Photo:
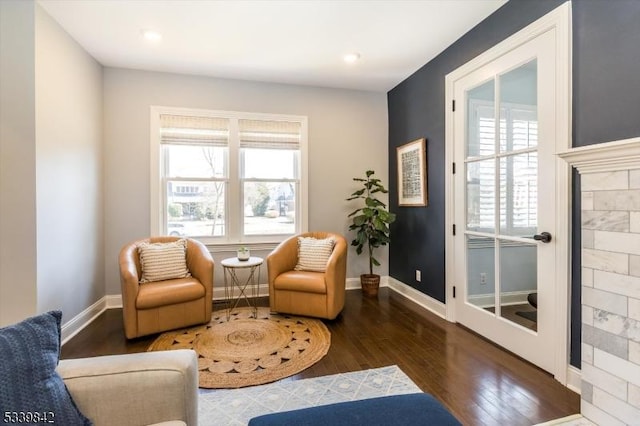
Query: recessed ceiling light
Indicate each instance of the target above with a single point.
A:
(351, 58)
(150, 35)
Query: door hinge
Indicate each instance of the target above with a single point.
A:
(454, 291)
(453, 105)
(453, 168)
(454, 229)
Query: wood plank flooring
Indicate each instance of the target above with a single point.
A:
(480, 383)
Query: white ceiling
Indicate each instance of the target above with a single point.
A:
(295, 42)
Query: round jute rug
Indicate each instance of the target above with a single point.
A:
(246, 351)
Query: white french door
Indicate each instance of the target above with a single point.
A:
(506, 249)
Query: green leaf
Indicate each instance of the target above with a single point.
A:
(359, 220)
(369, 172)
(372, 202)
(375, 261)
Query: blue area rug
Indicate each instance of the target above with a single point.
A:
(234, 407)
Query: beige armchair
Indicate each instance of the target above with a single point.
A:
(314, 294)
(135, 389)
(150, 308)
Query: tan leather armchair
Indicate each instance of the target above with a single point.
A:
(315, 294)
(150, 308)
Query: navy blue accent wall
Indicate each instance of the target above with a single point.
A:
(606, 104)
(606, 70)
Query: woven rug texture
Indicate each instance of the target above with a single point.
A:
(247, 351)
(235, 407)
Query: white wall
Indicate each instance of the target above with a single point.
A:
(70, 243)
(347, 135)
(17, 162)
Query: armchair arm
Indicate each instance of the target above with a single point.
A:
(336, 274)
(282, 259)
(129, 281)
(200, 264)
(135, 389)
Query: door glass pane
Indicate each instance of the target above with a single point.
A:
(519, 108)
(481, 195)
(481, 138)
(519, 194)
(519, 283)
(480, 277)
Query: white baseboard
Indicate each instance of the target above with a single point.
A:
(354, 283)
(84, 318)
(427, 302)
(574, 379)
(574, 419)
(114, 301)
(263, 291)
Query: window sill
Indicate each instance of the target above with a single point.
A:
(233, 247)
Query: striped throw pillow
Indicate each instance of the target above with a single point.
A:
(163, 261)
(313, 254)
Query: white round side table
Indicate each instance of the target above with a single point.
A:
(232, 282)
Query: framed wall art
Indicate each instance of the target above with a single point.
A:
(412, 173)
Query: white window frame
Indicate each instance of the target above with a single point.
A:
(233, 203)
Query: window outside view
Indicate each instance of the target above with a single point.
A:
(198, 185)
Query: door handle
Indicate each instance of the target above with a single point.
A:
(545, 237)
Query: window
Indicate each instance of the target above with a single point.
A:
(225, 177)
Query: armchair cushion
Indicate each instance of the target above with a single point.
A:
(313, 254)
(30, 387)
(308, 282)
(168, 292)
(163, 261)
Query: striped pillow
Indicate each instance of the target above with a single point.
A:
(163, 261)
(313, 254)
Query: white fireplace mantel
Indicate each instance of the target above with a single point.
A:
(605, 157)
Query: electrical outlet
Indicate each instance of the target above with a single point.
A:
(418, 275)
(483, 277)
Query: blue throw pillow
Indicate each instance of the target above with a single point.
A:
(31, 391)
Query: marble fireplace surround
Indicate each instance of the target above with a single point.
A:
(610, 198)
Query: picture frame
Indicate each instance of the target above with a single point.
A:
(412, 173)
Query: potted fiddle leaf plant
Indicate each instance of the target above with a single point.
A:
(371, 222)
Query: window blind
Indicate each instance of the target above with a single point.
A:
(269, 134)
(179, 129)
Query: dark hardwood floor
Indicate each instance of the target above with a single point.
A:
(480, 383)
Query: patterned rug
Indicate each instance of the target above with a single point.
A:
(235, 407)
(246, 351)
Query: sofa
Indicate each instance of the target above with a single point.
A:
(134, 389)
(150, 388)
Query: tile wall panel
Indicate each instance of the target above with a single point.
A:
(611, 297)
